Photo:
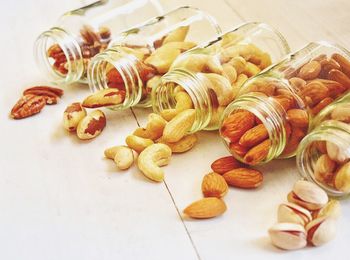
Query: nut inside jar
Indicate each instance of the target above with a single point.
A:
(285, 99)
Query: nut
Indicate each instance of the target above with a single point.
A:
(229, 72)
(343, 62)
(150, 160)
(340, 77)
(73, 114)
(236, 125)
(314, 92)
(221, 87)
(298, 117)
(321, 230)
(244, 178)
(111, 152)
(177, 35)
(183, 145)
(342, 178)
(288, 236)
(104, 98)
(254, 136)
(50, 94)
(236, 148)
(183, 101)
(138, 144)
(206, 208)
(324, 169)
(331, 210)
(27, 105)
(168, 114)
(91, 125)
(336, 153)
(258, 153)
(123, 157)
(341, 113)
(179, 126)
(250, 69)
(155, 126)
(214, 185)
(310, 70)
(308, 195)
(292, 213)
(225, 164)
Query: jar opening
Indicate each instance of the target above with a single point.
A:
(115, 69)
(58, 55)
(196, 86)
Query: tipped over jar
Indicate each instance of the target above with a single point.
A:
(323, 156)
(275, 109)
(134, 63)
(208, 78)
(64, 51)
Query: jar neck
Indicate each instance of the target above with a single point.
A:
(70, 54)
(271, 115)
(196, 86)
(331, 131)
(127, 67)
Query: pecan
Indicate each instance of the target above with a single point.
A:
(27, 105)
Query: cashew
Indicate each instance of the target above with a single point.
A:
(251, 69)
(110, 152)
(238, 63)
(179, 126)
(138, 144)
(168, 114)
(222, 88)
(178, 35)
(155, 126)
(183, 101)
(153, 83)
(183, 145)
(229, 72)
(152, 158)
(236, 87)
(124, 157)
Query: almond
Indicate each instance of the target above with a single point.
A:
(244, 178)
(286, 101)
(321, 105)
(225, 164)
(236, 148)
(206, 208)
(343, 62)
(254, 136)
(310, 70)
(314, 92)
(214, 185)
(298, 117)
(294, 140)
(258, 153)
(340, 77)
(237, 124)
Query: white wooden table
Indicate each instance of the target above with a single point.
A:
(59, 199)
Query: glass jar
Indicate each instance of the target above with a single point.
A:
(137, 60)
(64, 51)
(323, 156)
(213, 73)
(275, 108)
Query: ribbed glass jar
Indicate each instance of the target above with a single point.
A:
(213, 73)
(275, 108)
(64, 51)
(136, 61)
(323, 156)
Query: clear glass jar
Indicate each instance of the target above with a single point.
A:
(275, 108)
(323, 156)
(64, 51)
(213, 73)
(136, 61)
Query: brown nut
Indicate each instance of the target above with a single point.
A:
(91, 125)
(73, 114)
(214, 185)
(104, 98)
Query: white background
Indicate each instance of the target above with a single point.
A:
(60, 199)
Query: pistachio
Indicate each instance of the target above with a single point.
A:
(321, 231)
(341, 113)
(342, 178)
(324, 169)
(336, 153)
(332, 209)
(308, 195)
(292, 213)
(288, 236)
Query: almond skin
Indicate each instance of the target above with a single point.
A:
(244, 178)
(343, 62)
(297, 117)
(225, 164)
(214, 185)
(310, 70)
(237, 124)
(206, 208)
(254, 136)
(258, 153)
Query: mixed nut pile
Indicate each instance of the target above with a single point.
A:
(90, 42)
(315, 85)
(308, 217)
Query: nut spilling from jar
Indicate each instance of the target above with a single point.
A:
(310, 88)
(91, 42)
(147, 64)
(308, 218)
(221, 69)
